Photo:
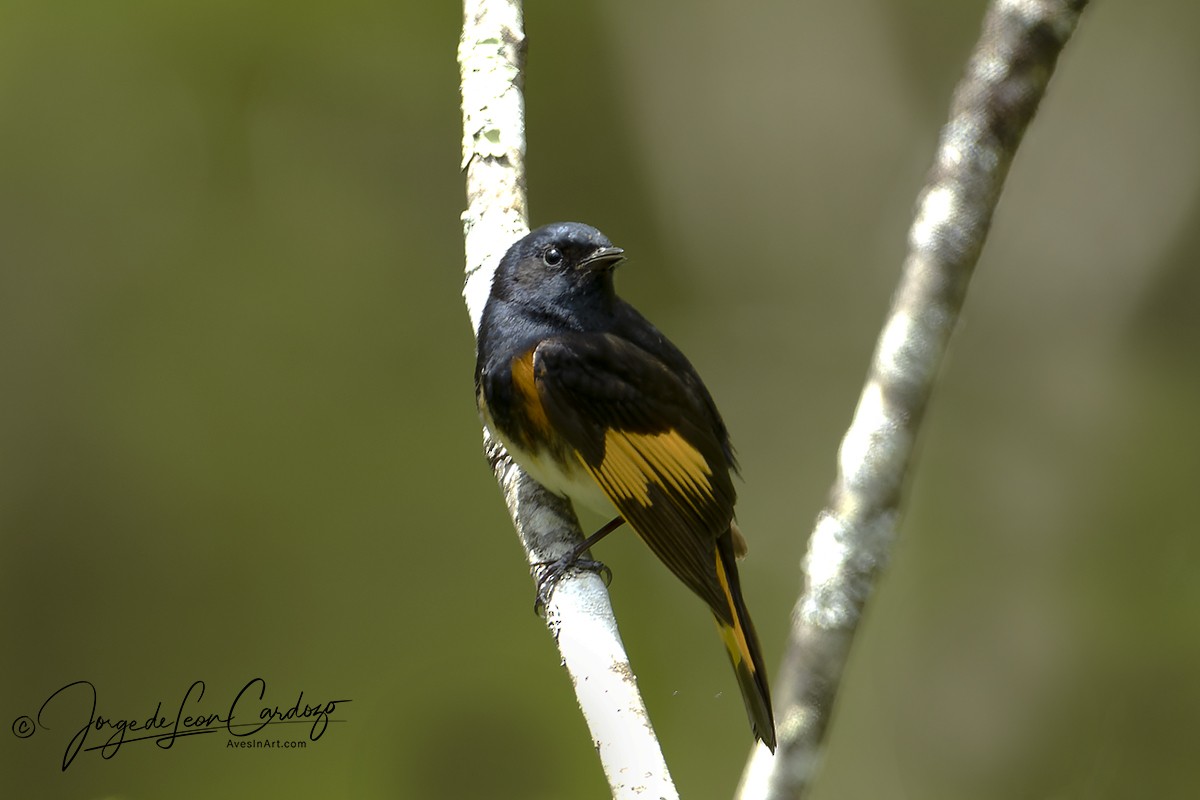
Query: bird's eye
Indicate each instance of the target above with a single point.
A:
(552, 257)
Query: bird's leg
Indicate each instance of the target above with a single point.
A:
(553, 571)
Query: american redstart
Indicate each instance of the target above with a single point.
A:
(597, 405)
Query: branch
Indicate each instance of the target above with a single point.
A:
(491, 55)
(851, 542)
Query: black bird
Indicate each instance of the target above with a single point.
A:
(598, 406)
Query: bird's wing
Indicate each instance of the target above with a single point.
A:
(648, 442)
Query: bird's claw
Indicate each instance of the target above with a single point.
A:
(551, 572)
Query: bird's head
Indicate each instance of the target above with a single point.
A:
(561, 262)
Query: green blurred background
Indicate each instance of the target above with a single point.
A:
(238, 437)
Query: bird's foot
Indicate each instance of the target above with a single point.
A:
(549, 573)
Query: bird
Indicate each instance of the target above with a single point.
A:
(598, 406)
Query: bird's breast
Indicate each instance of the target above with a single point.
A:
(557, 469)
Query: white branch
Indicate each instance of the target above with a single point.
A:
(851, 542)
(579, 614)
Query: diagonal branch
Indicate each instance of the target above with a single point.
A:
(851, 542)
(491, 55)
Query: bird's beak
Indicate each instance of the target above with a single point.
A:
(604, 258)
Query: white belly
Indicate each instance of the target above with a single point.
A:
(573, 483)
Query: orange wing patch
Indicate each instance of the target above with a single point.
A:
(634, 461)
(526, 386)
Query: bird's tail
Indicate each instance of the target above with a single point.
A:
(737, 632)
